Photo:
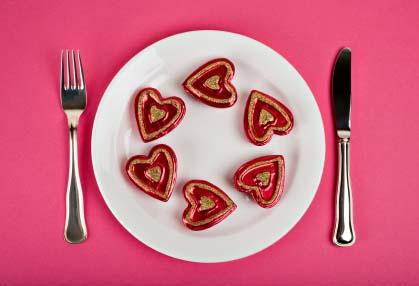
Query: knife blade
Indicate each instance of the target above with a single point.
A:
(344, 234)
(341, 88)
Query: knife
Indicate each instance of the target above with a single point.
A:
(344, 234)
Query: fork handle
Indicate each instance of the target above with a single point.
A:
(344, 234)
(75, 225)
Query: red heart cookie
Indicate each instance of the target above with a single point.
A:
(155, 115)
(207, 205)
(154, 174)
(263, 177)
(211, 83)
(264, 116)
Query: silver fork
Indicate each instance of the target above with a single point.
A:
(73, 100)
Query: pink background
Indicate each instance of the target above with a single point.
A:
(384, 38)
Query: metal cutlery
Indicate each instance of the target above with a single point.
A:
(73, 100)
(344, 234)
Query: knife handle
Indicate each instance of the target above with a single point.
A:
(344, 234)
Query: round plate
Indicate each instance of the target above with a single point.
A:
(210, 144)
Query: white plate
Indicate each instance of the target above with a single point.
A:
(210, 144)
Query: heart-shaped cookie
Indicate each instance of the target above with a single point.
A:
(207, 205)
(264, 116)
(154, 174)
(156, 116)
(211, 83)
(263, 177)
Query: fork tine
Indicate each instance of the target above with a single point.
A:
(81, 74)
(62, 76)
(74, 71)
(68, 83)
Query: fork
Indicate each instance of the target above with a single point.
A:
(73, 100)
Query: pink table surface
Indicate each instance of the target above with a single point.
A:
(384, 39)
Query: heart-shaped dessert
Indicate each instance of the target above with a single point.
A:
(264, 116)
(207, 205)
(211, 83)
(154, 174)
(155, 115)
(263, 177)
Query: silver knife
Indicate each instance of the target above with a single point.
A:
(344, 234)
